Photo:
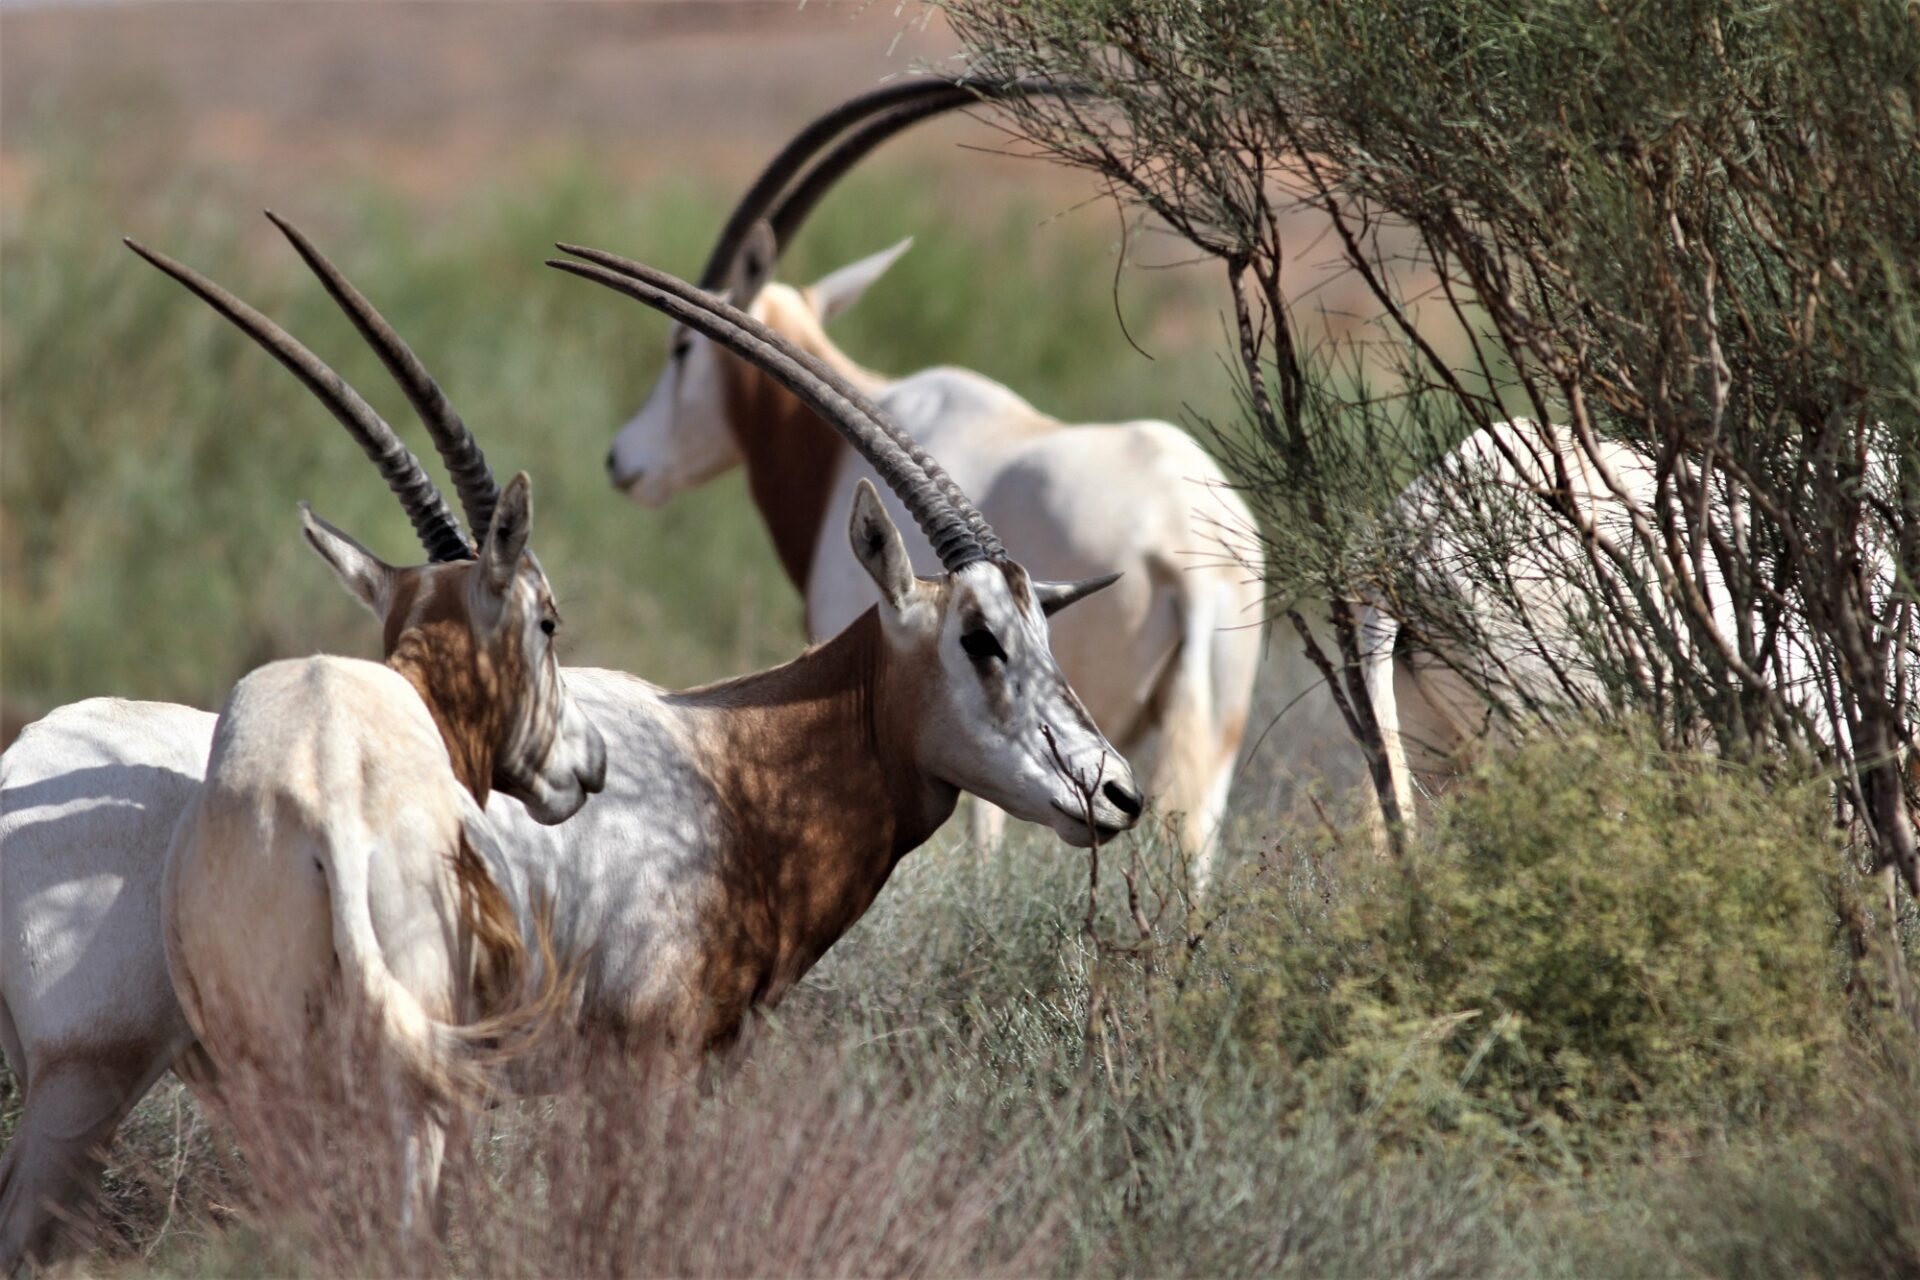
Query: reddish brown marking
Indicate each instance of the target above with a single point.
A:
(1016, 583)
(816, 760)
(1231, 732)
(496, 953)
(791, 455)
(468, 689)
(429, 641)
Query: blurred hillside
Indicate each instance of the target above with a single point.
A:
(150, 458)
(279, 100)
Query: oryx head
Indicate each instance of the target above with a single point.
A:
(477, 637)
(473, 629)
(967, 653)
(990, 711)
(683, 434)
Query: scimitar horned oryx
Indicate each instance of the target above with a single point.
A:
(331, 860)
(1165, 661)
(743, 828)
(1532, 647)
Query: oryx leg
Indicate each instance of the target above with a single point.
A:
(1203, 701)
(1378, 635)
(75, 1099)
(422, 1155)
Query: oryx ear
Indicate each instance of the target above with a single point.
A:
(833, 293)
(366, 575)
(878, 547)
(507, 536)
(753, 265)
(1055, 596)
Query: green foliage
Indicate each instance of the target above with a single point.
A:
(1840, 1198)
(1603, 963)
(1599, 942)
(1683, 228)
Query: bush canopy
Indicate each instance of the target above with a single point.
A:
(1678, 239)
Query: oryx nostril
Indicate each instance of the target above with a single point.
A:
(610, 462)
(1127, 802)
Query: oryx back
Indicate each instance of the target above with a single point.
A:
(325, 821)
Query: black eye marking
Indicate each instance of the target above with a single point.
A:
(681, 346)
(981, 645)
(549, 625)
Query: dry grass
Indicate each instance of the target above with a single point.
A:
(935, 1099)
(927, 1105)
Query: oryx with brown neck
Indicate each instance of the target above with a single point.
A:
(743, 827)
(800, 788)
(331, 863)
(1165, 661)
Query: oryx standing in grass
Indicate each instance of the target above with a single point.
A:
(1511, 538)
(1165, 660)
(330, 863)
(743, 827)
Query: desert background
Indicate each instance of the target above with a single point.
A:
(151, 458)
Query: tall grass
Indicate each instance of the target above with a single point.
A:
(924, 1106)
(985, 1077)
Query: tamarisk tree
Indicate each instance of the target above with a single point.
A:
(1680, 239)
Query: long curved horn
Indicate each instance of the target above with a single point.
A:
(790, 214)
(439, 532)
(466, 464)
(901, 104)
(959, 535)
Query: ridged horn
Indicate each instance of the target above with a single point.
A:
(459, 451)
(882, 113)
(957, 532)
(438, 531)
(790, 214)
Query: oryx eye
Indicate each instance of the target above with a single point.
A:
(981, 645)
(549, 625)
(682, 345)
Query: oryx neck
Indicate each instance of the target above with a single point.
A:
(791, 456)
(430, 644)
(815, 762)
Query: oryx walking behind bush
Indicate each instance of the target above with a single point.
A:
(337, 852)
(1498, 553)
(744, 826)
(1165, 660)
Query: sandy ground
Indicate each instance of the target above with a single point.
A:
(276, 97)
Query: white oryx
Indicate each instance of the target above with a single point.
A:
(1427, 702)
(743, 828)
(1165, 661)
(330, 862)
(1426, 711)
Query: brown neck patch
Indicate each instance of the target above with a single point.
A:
(791, 455)
(429, 641)
(817, 763)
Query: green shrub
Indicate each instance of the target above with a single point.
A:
(1596, 942)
